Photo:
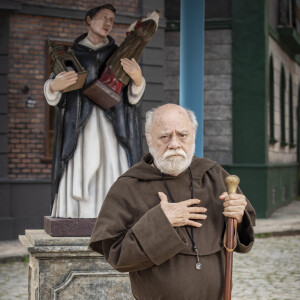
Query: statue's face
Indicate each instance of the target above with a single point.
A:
(102, 22)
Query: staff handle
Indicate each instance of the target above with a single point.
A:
(231, 182)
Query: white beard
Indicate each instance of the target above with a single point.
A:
(172, 165)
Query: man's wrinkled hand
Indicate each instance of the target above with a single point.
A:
(132, 68)
(182, 213)
(234, 205)
(63, 80)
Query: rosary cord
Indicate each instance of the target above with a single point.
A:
(192, 197)
(191, 235)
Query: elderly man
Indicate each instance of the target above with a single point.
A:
(163, 221)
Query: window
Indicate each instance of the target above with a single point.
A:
(272, 139)
(288, 15)
(291, 113)
(282, 107)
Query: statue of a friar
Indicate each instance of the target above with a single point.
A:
(93, 146)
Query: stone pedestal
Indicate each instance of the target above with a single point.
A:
(63, 268)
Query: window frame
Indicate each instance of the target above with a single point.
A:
(283, 142)
(272, 139)
(291, 114)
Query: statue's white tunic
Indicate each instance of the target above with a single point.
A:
(97, 162)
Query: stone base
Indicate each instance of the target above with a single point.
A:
(65, 269)
(68, 227)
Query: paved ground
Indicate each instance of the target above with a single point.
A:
(283, 221)
(270, 271)
(13, 281)
(12, 250)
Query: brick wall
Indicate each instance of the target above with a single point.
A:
(27, 67)
(25, 187)
(132, 6)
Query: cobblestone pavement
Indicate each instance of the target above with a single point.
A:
(13, 281)
(270, 271)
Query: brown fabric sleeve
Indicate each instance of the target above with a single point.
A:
(152, 240)
(245, 234)
(158, 238)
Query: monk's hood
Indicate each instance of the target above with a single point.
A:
(143, 170)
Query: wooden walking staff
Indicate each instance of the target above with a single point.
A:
(231, 182)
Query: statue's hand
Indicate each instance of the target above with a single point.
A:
(132, 68)
(63, 80)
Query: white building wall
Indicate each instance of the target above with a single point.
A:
(277, 153)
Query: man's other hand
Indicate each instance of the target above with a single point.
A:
(63, 80)
(132, 68)
(182, 213)
(234, 205)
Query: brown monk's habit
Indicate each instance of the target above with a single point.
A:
(135, 236)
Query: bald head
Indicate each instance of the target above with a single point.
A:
(170, 109)
(170, 132)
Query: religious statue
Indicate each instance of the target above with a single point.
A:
(92, 146)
